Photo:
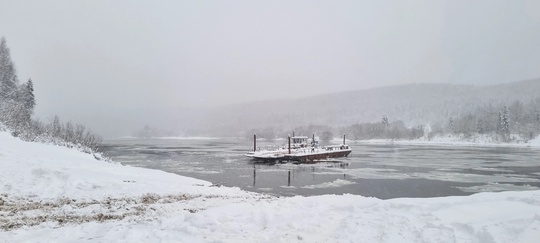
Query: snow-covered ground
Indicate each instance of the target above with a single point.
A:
(55, 194)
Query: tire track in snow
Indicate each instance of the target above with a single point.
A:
(19, 213)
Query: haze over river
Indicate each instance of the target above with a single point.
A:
(382, 171)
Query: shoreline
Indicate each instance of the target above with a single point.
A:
(450, 141)
(436, 141)
(443, 143)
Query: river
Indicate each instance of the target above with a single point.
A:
(381, 171)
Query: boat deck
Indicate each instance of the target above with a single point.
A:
(302, 155)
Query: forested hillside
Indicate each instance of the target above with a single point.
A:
(436, 107)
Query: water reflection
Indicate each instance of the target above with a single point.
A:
(254, 175)
(289, 179)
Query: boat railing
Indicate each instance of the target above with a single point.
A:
(270, 148)
(336, 147)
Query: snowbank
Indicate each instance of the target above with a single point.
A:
(54, 194)
(35, 170)
(535, 142)
(454, 140)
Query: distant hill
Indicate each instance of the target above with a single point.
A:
(412, 103)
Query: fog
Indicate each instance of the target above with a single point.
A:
(118, 65)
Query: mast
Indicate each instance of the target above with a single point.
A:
(289, 144)
(254, 142)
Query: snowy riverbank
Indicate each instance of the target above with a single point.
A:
(452, 140)
(55, 194)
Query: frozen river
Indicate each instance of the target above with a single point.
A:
(382, 171)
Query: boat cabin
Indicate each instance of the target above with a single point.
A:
(299, 140)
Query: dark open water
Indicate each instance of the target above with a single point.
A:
(382, 171)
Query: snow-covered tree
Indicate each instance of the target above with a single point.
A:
(451, 125)
(26, 103)
(16, 102)
(8, 76)
(79, 133)
(385, 121)
(55, 127)
(504, 123)
(28, 96)
(480, 126)
(69, 132)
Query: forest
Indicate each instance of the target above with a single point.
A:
(499, 113)
(17, 102)
(517, 122)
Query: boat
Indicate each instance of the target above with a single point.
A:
(299, 150)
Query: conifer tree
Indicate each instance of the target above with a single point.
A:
(27, 99)
(480, 126)
(451, 125)
(10, 107)
(8, 76)
(504, 123)
(385, 121)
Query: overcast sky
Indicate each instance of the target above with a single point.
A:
(133, 54)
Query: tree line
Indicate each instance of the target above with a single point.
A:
(517, 122)
(383, 130)
(17, 104)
